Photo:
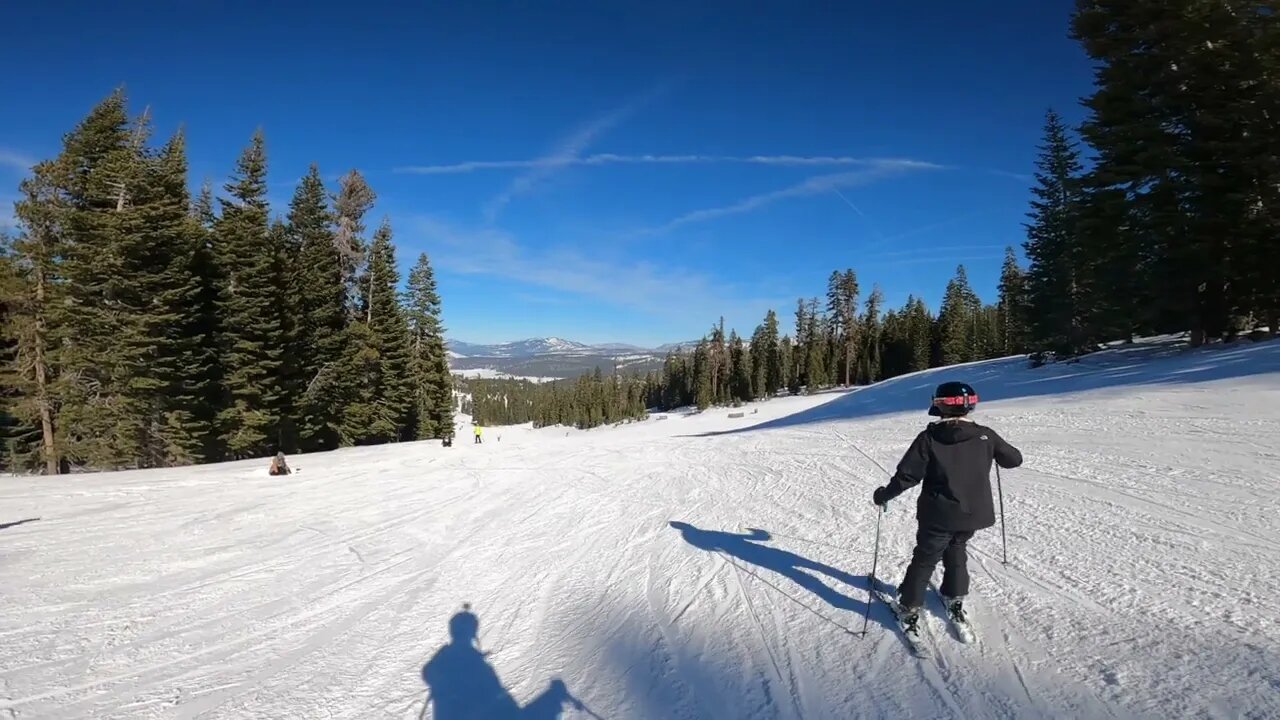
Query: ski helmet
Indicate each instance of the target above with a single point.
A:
(953, 399)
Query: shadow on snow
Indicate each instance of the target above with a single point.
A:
(462, 685)
(744, 552)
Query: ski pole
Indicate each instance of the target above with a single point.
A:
(1003, 540)
(871, 579)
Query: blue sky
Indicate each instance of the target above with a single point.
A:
(596, 170)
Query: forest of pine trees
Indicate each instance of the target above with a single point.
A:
(849, 342)
(1164, 215)
(147, 327)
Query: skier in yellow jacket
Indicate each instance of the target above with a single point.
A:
(478, 432)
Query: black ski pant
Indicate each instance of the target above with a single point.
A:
(933, 545)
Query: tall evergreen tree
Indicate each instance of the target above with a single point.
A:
(321, 299)
(920, 332)
(101, 179)
(800, 352)
(740, 370)
(32, 293)
(1057, 279)
(350, 205)
(1012, 323)
(872, 341)
(252, 333)
(957, 320)
(775, 373)
(434, 388)
(842, 312)
(168, 267)
(815, 354)
(384, 406)
(1176, 116)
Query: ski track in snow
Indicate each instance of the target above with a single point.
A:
(1144, 542)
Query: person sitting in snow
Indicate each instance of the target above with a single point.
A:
(952, 457)
(278, 465)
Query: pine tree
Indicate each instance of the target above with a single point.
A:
(251, 325)
(1012, 323)
(1180, 89)
(101, 174)
(32, 292)
(740, 370)
(871, 331)
(800, 352)
(207, 328)
(956, 320)
(758, 353)
(321, 298)
(383, 408)
(815, 355)
(434, 383)
(1057, 278)
(787, 364)
(350, 205)
(703, 390)
(920, 327)
(842, 309)
(168, 266)
(774, 373)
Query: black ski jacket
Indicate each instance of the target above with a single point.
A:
(953, 460)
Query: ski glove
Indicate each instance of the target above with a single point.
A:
(880, 496)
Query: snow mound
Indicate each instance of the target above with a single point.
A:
(693, 565)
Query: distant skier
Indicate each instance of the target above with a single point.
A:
(279, 466)
(952, 457)
(478, 432)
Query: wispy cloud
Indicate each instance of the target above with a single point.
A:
(15, 160)
(664, 291)
(567, 153)
(877, 170)
(929, 258)
(560, 161)
(1023, 177)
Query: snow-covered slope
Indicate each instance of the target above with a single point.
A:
(1144, 542)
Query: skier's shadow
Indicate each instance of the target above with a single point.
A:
(462, 685)
(745, 547)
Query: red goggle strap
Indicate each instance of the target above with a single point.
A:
(957, 400)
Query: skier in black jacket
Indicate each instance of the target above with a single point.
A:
(952, 458)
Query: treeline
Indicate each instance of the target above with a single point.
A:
(843, 342)
(1172, 221)
(592, 400)
(148, 327)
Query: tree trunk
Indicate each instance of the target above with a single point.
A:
(51, 465)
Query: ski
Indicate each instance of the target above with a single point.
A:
(959, 621)
(915, 642)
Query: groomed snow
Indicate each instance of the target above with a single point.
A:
(1144, 542)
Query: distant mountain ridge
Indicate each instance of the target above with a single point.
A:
(554, 357)
(532, 347)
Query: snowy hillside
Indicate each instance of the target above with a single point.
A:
(1144, 541)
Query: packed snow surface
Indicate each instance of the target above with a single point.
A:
(1143, 576)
